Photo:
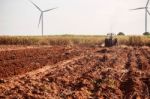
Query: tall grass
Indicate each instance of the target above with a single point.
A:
(71, 40)
(51, 40)
(17, 40)
(134, 40)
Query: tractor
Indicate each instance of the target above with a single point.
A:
(110, 40)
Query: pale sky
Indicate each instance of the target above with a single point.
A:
(79, 17)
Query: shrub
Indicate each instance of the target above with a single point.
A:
(146, 33)
(121, 33)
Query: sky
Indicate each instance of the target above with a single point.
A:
(78, 17)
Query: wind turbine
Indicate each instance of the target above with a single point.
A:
(146, 12)
(41, 19)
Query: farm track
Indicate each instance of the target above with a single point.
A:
(88, 73)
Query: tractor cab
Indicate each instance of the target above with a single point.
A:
(110, 40)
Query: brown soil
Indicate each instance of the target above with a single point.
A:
(75, 73)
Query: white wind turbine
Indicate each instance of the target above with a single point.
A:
(41, 19)
(146, 12)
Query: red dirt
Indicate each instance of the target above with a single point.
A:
(76, 73)
(22, 60)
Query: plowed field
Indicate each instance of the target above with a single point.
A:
(75, 73)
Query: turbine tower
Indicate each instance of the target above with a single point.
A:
(41, 19)
(146, 13)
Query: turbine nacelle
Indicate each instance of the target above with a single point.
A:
(141, 8)
(146, 12)
(42, 12)
(41, 15)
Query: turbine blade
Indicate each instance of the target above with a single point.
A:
(50, 9)
(138, 8)
(148, 12)
(147, 3)
(35, 5)
(40, 19)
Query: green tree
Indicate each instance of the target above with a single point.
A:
(121, 33)
(146, 33)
